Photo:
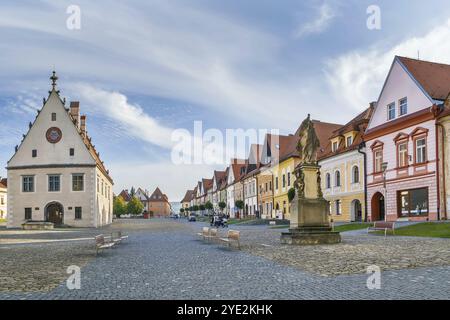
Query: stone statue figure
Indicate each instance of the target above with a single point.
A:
(308, 143)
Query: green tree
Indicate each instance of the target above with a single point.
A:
(182, 210)
(202, 207)
(195, 208)
(222, 205)
(209, 206)
(135, 206)
(291, 194)
(239, 204)
(119, 206)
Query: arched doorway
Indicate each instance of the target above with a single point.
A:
(356, 210)
(378, 207)
(54, 212)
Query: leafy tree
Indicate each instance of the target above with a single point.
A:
(291, 194)
(195, 208)
(222, 205)
(239, 204)
(119, 206)
(132, 192)
(209, 205)
(202, 207)
(135, 206)
(182, 210)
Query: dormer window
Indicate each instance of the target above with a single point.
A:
(403, 106)
(391, 111)
(349, 141)
(335, 146)
(34, 153)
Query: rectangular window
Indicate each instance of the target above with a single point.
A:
(270, 185)
(98, 184)
(349, 141)
(378, 159)
(403, 106)
(103, 186)
(276, 183)
(413, 202)
(78, 213)
(34, 153)
(78, 182)
(391, 111)
(335, 146)
(265, 189)
(421, 150)
(28, 184)
(338, 207)
(403, 154)
(284, 181)
(54, 183)
(53, 116)
(28, 214)
(72, 152)
(289, 179)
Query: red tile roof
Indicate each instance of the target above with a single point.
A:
(158, 196)
(188, 196)
(358, 124)
(433, 77)
(125, 195)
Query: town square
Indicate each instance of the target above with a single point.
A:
(191, 152)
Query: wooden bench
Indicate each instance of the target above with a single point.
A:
(212, 234)
(205, 233)
(101, 244)
(117, 237)
(382, 226)
(232, 236)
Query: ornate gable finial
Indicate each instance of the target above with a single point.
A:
(54, 78)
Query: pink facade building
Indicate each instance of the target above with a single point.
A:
(404, 139)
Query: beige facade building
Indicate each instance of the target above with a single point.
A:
(56, 174)
(343, 168)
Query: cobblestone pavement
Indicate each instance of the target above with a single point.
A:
(163, 259)
(357, 251)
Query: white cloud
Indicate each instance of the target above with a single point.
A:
(132, 118)
(356, 78)
(324, 18)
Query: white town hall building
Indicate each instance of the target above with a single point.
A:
(56, 174)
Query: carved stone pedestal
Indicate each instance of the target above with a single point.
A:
(309, 211)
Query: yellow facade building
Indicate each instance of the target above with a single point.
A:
(343, 168)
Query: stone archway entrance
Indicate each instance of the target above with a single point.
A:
(356, 211)
(54, 212)
(378, 208)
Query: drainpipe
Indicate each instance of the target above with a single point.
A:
(360, 147)
(438, 162)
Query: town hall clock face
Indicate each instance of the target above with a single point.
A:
(54, 135)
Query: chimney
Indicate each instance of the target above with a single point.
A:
(75, 112)
(83, 124)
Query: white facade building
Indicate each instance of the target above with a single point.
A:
(3, 198)
(56, 174)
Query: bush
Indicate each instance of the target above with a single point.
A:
(291, 194)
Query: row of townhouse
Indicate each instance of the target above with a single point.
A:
(388, 163)
(260, 182)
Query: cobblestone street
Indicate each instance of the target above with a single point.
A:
(163, 259)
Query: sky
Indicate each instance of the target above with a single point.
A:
(143, 70)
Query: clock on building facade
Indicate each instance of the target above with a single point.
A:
(53, 135)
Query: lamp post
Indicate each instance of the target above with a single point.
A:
(384, 166)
